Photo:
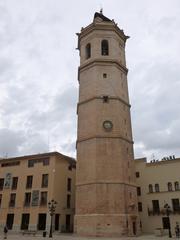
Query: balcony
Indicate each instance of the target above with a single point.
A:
(27, 204)
(157, 212)
(154, 212)
(43, 203)
(12, 204)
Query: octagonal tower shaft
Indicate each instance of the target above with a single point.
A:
(106, 201)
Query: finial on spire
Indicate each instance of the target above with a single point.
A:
(101, 11)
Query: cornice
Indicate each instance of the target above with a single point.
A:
(97, 136)
(102, 62)
(101, 98)
(102, 26)
(106, 182)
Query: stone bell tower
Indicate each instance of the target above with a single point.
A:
(106, 202)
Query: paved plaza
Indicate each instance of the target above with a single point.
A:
(74, 237)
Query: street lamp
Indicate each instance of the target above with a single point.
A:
(52, 208)
(167, 209)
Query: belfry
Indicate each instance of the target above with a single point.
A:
(106, 198)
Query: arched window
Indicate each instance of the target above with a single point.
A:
(176, 186)
(156, 187)
(104, 48)
(88, 51)
(150, 188)
(169, 186)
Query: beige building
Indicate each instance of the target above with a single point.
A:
(28, 183)
(158, 184)
(106, 200)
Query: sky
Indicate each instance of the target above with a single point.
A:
(38, 73)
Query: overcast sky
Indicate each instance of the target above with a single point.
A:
(38, 73)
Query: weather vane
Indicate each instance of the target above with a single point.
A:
(101, 9)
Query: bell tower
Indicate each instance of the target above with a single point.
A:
(106, 201)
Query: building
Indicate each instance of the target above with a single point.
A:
(28, 183)
(106, 199)
(158, 184)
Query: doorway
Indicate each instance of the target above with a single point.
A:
(42, 221)
(10, 220)
(57, 222)
(134, 228)
(68, 223)
(25, 221)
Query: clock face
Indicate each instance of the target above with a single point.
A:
(107, 125)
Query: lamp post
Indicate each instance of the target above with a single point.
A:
(52, 208)
(167, 209)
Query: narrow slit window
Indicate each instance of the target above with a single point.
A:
(104, 48)
(88, 50)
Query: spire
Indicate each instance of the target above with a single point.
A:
(100, 15)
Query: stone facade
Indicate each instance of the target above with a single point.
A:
(159, 184)
(24, 201)
(106, 200)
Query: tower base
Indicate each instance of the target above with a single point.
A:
(106, 225)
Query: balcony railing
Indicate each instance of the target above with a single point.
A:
(157, 212)
(27, 204)
(43, 203)
(153, 212)
(12, 204)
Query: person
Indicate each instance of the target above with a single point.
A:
(177, 230)
(5, 231)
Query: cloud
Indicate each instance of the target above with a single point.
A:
(10, 142)
(155, 114)
(38, 72)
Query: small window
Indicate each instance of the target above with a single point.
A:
(12, 200)
(104, 48)
(169, 185)
(14, 183)
(46, 161)
(105, 99)
(69, 184)
(29, 181)
(138, 191)
(175, 204)
(150, 188)
(140, 206)
(68, 201)
(43, 200)
(44, 180)
(155, 205)
(88, 50)
(156, 187)
(30, 163)
(137, 174)
(176, 186)
(104, 75)
(27, 199)
(1, 183)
